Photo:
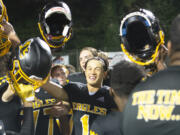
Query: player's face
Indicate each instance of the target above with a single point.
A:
(94, 73)
(84, 56)
(60, 76)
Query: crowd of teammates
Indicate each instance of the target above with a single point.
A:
(138, 95)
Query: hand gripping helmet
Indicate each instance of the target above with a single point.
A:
(141, 37)
(33, 59)
(5, 43)
(55, 23)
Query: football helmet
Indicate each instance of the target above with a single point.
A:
(32, 60)
(141, 36)
(55, 23)
(5, 43)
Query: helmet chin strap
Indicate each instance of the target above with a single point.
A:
(161, 35)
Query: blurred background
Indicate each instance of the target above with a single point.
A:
(95, 22)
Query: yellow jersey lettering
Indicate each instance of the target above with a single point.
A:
(175, 97)
(165, 112)
(87, 108)
(103, 111)
(143, 97)
(162, 109)
(142, 113)
(84, 107)
(154, 112)
(168, 97)
(37, 104)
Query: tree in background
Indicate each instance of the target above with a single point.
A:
(95, 22)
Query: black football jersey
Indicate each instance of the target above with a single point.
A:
(10, 111)
(87, 107)
(77, 77)
(110, 124)
(44, 123)
(153, 108)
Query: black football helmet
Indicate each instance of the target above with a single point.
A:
(5, 43)
(141, 36)
(55, 23)
(33, 59)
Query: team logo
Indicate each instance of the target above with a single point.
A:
(24, 49)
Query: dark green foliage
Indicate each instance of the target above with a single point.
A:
(95, 22)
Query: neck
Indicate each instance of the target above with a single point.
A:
(93, 88)
(175, 59)
(120, 102)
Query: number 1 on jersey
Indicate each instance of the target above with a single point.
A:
(85, 124)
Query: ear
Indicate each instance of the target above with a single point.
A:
(169, 47)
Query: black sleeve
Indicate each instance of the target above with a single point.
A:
(28, 122)
(72, 88)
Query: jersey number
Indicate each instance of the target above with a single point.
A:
(85, 124)
(51, 120)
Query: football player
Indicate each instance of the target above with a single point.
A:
(33, 58)
(143, 40)
(89, 100)
(55, 26)
(153, 106)
(8, 39)
(125, 76)
(59, 75)
(85, 54)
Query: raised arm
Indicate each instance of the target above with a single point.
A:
(55, 90)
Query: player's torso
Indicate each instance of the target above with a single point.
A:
(44, 123)
(86, 108)
(154, 104)
(111, 124)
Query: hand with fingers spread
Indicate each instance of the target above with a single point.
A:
(60, 108)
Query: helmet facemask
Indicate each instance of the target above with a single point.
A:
(21, 82)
